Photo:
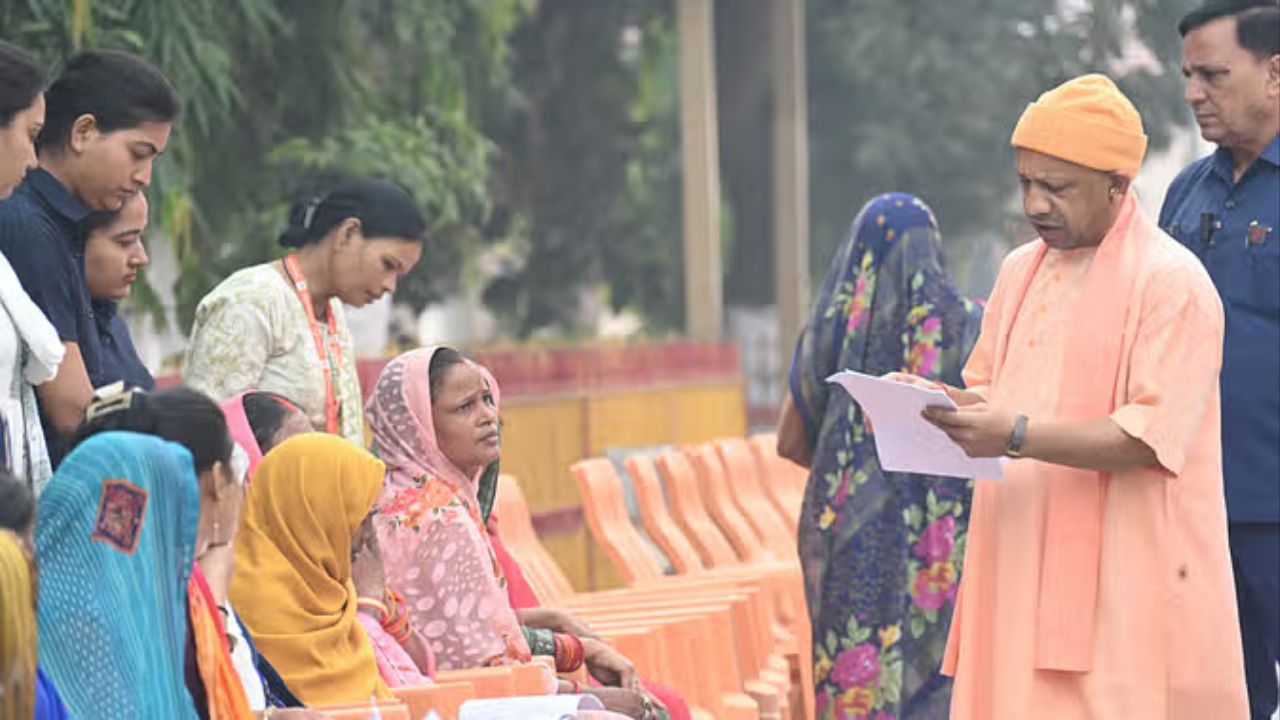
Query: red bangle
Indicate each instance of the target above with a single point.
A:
(394, 623)
(569, 653)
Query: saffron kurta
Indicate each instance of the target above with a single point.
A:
(1164, 643)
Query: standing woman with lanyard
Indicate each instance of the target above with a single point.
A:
(280, 327)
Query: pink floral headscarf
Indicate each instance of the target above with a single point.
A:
(434, 544)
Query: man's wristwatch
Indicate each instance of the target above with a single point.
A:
(1018, 437)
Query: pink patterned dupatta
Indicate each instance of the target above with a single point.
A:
(434, 543)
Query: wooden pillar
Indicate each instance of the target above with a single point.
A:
(790, 173)
(700, 163)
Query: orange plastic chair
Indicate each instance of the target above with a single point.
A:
(746, 489)
(444, 699)
(516, 531)
(718, 498)
(383, 709)
(488, 682)
(783, 481)
(781, 577)
(791, 657)
(691, 514)
(741, 647)
(708, 681)
(515, 527)
(642, 648)
(664, 593)
(529, 679)
(657, 520)
(604, 490)
(607, 518)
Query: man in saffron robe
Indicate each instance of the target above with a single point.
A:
(1097, 581)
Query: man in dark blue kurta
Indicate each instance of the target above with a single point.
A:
(1226, 208)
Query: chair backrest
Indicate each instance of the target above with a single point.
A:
(515, 527)
(745, 487)
(691, 514)
(657, 519)
(610, 525)
(783, 481)
(717, 496)
(385, 709)
(445, 699)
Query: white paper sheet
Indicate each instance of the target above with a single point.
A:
(905, 441)
(541, 707)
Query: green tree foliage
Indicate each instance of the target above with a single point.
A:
(282, 96)
(587, 151)
(550, 129)
(192, 41)
(904, 94)
(922, 96)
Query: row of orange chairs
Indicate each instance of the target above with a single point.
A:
(729, 630)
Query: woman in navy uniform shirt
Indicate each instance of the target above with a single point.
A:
(107, 117)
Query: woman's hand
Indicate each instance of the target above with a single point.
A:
(636, 704)
(366, 564)
(608, 665)
(557, 620)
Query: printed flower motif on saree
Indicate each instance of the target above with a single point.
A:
(427, 499)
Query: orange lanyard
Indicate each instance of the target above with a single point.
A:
(294, 271)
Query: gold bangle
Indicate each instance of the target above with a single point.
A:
(371, 604)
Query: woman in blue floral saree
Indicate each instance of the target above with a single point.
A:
(881, 551)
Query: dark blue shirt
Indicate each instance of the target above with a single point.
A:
(1234, 227)
(41, 235)
(49, 704)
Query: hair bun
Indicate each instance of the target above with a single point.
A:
(293, 237)
(301, 221)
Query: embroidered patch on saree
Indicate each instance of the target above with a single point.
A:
(120, 512)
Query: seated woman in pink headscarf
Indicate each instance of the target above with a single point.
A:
(259, 421)
(434, 417)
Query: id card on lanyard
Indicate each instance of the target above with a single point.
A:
(294, 271)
